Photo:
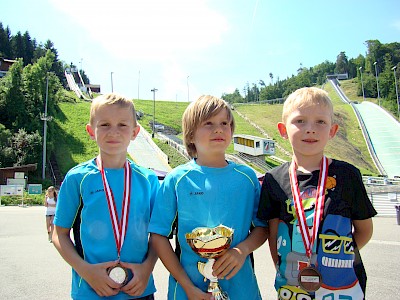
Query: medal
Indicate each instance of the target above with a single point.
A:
(118, 273)
(309, 277)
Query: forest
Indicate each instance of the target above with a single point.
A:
(36, 82)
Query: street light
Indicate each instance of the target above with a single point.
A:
(154, 90)
(45, 118)
(377, 84)
(362, 84)
(112, 85)
(397, 92)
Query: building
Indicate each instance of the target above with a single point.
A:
(5, 65)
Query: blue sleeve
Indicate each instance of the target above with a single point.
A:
(257, 190)
(155, 186)
(165, 208)
(68, 202)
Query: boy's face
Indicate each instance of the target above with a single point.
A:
(213, 136)
(113, 128)
(309, 129)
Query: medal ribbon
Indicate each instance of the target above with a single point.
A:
(309, 238)
(119, 226)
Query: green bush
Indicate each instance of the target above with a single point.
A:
(27, 199)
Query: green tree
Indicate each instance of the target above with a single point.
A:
(5, 44)
(12, 106)
(342, 62)
(26, 147)
(320, 71)
(18, 46)
(6, 158)
(234, 97)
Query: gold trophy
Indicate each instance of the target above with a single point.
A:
(210, 243)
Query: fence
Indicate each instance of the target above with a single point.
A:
(384, 203)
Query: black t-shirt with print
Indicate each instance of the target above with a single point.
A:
(337, 255)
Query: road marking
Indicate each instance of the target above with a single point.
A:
(380, 242)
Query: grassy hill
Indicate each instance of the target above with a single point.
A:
(349, 143)
(74, 145)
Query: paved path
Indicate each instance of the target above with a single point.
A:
(31, 267)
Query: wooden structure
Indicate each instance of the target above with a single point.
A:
(9, 172)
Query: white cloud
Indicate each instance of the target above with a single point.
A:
(148, 29)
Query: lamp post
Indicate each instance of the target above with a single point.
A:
(112, 85)
(154, 90)
(377, 84)
(45, 118)
(362, 83)
(187, 83)
(397, 92)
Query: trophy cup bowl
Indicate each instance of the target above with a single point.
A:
(210, 243)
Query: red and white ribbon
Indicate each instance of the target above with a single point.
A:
(119, 225)
(309, 238)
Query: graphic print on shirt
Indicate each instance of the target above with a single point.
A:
(336, 259)
(291, 251)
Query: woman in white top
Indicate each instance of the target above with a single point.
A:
(50, 202)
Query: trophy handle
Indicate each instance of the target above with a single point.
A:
(206, 269)
(213, 288)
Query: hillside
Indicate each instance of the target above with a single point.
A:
(348, 144)
(75, 146)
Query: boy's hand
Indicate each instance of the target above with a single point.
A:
(194, 293)
(97, 277)
(229, 263)
(137, 285)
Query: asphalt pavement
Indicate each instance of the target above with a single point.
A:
(31, 267)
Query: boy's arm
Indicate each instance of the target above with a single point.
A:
(141, 272)
(171, 262)
(272, 239)
(95, 274)
(362, 232)
(232, 261)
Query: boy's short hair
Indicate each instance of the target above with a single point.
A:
(305, 97)
(111, 99)
(202, 109)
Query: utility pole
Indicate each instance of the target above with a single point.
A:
(154, 90)
(45, 118)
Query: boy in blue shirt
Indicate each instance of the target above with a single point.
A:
(107, 202)
(318, 210)
(208, 191)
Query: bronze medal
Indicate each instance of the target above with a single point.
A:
(310, 279)
(118, 274)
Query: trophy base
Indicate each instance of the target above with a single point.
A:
(215, 290)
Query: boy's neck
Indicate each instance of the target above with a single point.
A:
(112, 161)
(308, 164)
(212, 162)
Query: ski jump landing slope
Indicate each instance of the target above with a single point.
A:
(145, 153)
(381, 131)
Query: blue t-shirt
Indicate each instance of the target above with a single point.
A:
(201, 196)
(82, 205)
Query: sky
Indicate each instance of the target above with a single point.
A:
(187, 48)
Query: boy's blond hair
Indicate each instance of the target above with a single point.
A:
(111, 99)
(305, 97)
(202, 109)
